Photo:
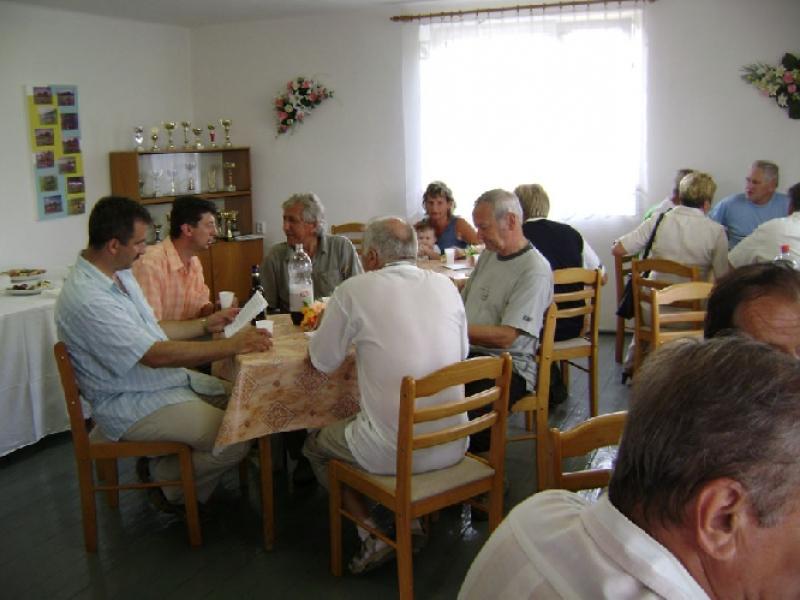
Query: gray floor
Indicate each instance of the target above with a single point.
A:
(145, 554)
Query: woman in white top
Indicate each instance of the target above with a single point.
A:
(685, 235)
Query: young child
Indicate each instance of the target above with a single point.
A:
(426, 241)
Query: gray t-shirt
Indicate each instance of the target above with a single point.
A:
(514, 291)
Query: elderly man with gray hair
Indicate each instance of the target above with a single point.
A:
(333, 257)
(402, 320)
(740, 214)
(704, 501)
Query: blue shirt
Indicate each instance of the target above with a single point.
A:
(449, 239)
(107, 332)
(741, 217)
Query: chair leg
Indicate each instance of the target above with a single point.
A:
(88, 506)
(335, 505)
(405, 565)
(111, 476)
(529, 422)
(542, 446)
(190, 498)
(496, 503)
(564, 364)
(244, 481)
(593, 399)
(619, 342)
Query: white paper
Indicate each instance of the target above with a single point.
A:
(457, 266)
(250, 311)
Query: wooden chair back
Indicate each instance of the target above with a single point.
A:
(686, 322)
(594, 433)
(353, 231)
(107, 452)
(622, 269)
(587, 305)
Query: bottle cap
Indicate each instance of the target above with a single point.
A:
(784, 249)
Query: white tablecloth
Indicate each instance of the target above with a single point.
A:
(31, 399)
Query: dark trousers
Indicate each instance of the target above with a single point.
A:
(480, 442)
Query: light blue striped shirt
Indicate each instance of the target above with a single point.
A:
(107, 332)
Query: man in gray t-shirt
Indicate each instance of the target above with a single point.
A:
(507, 294)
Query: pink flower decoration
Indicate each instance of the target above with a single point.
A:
(282, 115)
(792, 88)
(788, 77)
(312, 96)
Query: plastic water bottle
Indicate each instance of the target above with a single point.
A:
(301, 287)
(786, 257)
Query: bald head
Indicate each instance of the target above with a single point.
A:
(391, 238)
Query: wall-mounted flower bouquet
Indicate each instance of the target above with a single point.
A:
(781, 82)
(302, 95)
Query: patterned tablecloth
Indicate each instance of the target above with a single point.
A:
(280, 390)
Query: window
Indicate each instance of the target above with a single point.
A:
(552, 99)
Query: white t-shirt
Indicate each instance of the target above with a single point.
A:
(556, 544)
(403, 321)
(764, 244)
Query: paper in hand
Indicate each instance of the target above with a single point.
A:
(250, 311)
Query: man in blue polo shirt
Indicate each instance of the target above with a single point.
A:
(740, 214)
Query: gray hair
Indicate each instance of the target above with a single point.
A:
(771, 172)
(391, 238)
(502, 203)
(704, 410)
(312, 209)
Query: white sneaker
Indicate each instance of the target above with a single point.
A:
(373, 553)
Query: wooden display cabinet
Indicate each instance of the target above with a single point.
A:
(161, 176)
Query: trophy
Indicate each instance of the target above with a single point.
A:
(211, 179)
(138, 137)
(190, 167)
(198, 143)
(212, 133)
(154, 136)
(226, 123)
(170, 127)
(156, 175)
(157, 230)
(230, 166)
(173, 173)
(186, 125)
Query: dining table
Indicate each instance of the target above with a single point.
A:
(32, 402)
(280, 390)
(458, 272)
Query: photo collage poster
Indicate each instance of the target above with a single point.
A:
(56, 141)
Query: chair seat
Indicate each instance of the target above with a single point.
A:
(433, 483)
(578, 343)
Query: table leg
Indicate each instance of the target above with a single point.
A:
(267, 502)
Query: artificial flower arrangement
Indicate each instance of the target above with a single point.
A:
(302, 95)
(311, 314)
(473, 252)
(781, 82)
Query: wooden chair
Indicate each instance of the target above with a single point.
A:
(688, 322)
(566, 351)
(594, 433)
(412, 496)
(353, 231)
(536, 405)
(622, 269)
(642, 290)
(106, 453)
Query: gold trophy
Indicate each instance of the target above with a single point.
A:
(138, 137)
(170, 127)
(226, 123)
(211, 179)
(154, 136)
(186, 125)
(198, 143)
(190, 167)
(230, 166)
(212, 134)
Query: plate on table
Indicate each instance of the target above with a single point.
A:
(33, 292)
(18, 275)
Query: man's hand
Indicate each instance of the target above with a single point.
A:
(216, 323)
(251, 339)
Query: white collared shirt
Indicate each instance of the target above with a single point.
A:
(764, 244)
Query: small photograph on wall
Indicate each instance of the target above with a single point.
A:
(55, 138)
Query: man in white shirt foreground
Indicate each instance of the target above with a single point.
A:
(402, 320)
(764, 244)
(704, 501)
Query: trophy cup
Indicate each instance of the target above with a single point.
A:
(230, 166)
(156, 175)
(212, 134)
(170, 127)
(154, 136)
(198, 143)
(157, 230)
(226, 123)
(190, 167)
(186, 125)
(138, 137)
(173, 173)
(211, 179)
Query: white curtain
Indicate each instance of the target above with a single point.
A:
(554, 96)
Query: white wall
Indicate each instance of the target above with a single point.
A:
(350, 150)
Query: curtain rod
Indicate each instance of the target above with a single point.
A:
(502, 9)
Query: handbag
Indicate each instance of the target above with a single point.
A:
(626, 307)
